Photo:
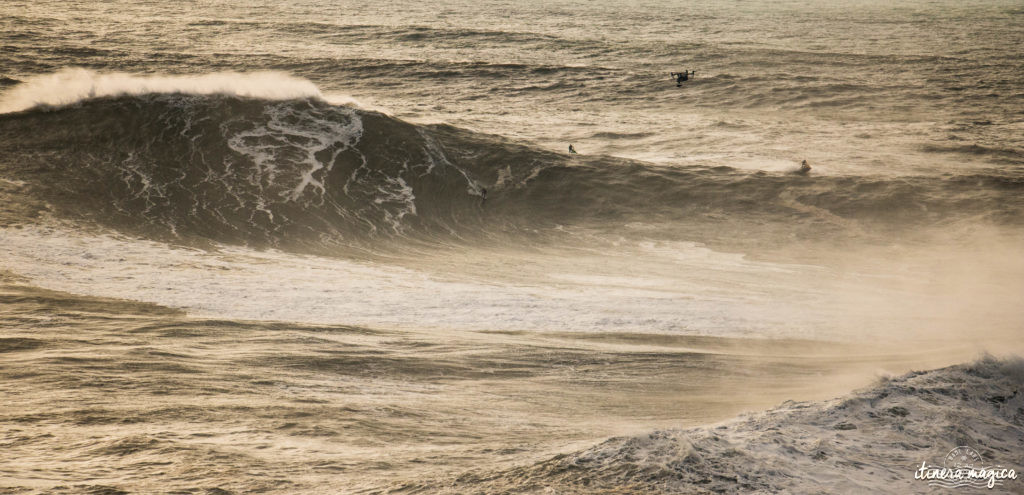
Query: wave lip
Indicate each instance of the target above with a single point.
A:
(71, 86)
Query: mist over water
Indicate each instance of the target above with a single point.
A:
(343, 247)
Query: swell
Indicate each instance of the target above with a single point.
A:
(302, 173)
(364, 32)
(1002, 154)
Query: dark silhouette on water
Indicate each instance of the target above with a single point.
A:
(804, 168)
(682, 76)
(572, 150)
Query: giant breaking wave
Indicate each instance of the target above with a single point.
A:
(198, 166)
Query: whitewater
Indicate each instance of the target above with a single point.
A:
(306, 248)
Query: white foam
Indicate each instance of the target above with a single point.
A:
(295, 133)
(672, 288)
(238, 283)
(72, 85)
(395, 190)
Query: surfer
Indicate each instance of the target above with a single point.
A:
(682, 76)
(483, 195)
(572, 150)
(804, 167)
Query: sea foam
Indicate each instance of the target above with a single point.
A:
(72, 85)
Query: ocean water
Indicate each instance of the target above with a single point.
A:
(339, 247)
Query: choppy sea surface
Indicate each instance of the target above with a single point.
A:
(305, 247)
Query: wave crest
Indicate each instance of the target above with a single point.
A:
(71, 86)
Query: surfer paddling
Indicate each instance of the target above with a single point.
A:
(804, 168)
(683, 76)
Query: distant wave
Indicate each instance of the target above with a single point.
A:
(1003, 154)
(441, 70)
(621, 135)
(419, 33)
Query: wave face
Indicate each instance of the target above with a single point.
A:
(303, 172)
(238, 170)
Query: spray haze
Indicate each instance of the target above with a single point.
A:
(307, 247)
